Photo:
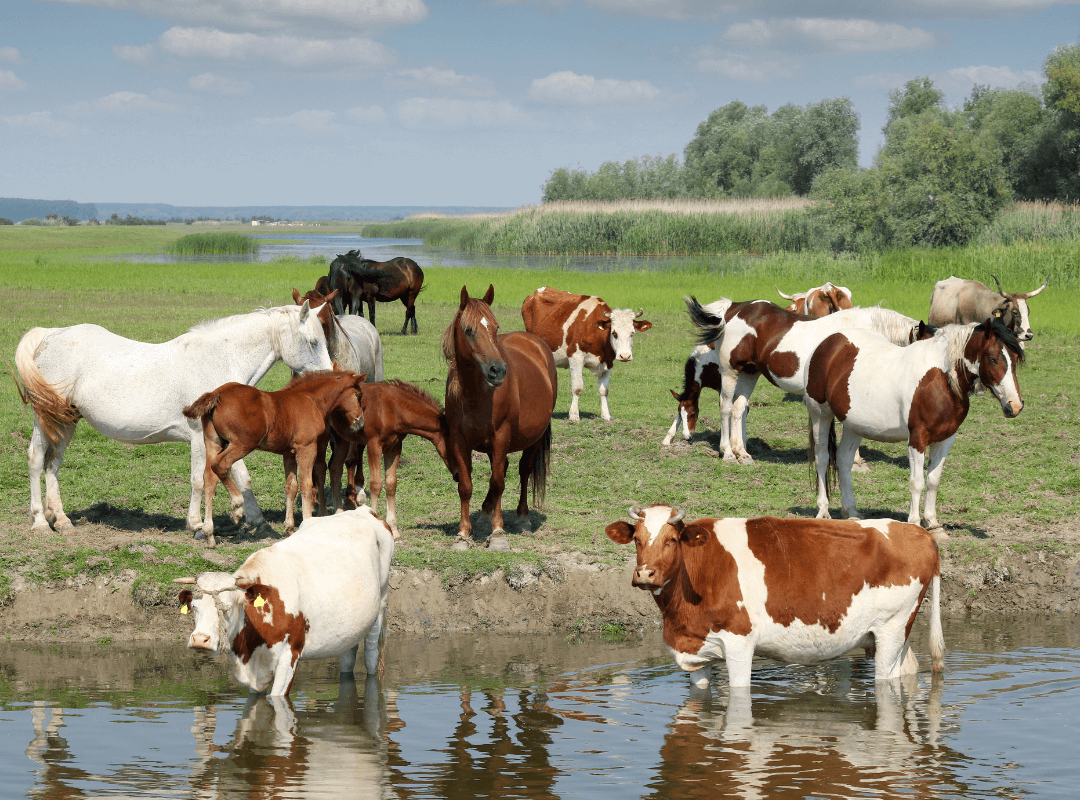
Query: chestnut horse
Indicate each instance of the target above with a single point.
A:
(398, 279)
(500, 392)
(237, 418)
(392, 411)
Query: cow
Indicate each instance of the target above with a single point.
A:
(796, 590)
(317, 594)
(583, 331)
(819, 301)
(956, 301)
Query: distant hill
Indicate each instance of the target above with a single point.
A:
(372, 213)
(18, 208)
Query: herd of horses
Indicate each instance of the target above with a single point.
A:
(883, 375)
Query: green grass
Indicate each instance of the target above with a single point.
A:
(1027, 467)
(214, 244)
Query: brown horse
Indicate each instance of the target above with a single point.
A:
(392, 411)
(291, 422)
(500, 391)
(398, 279)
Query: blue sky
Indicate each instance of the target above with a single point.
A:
(418, 102)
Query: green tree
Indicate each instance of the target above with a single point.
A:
(1057, 156)
(1016, 122)
(916, 96)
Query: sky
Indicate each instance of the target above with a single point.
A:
(428, 102)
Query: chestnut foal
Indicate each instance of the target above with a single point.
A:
(291, 422)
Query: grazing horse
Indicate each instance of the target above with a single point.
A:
(135, 391)
(918, 394)
(392, 411)
(701, 371)
(291, 422)
(398, 279)
(757, 338)
(500, 392)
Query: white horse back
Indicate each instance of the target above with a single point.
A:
(365, 354)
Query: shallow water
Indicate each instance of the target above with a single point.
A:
(540, 717)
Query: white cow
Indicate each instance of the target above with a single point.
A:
(317, 594)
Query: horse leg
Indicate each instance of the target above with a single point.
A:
(821, 421)
(938, 451)
(577, 383)
(338, 450)
(354, 463)
(305, 470)
(493, 501)
(219, 461)
(391, 458)
(318, 472)
(289, 461)
(375, 473)
(252, 513)
(371, 309)
(525, 471)
(44, 456)
(410, 314)
(603, 376)
(405, 325)
(36, 454)
(463, 476)
(845, 457)
(739, 406)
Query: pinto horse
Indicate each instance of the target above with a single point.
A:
(135, 391)
(756, 338)
(500, 392)
(398, 279)
(291, 422)
(917, 394)
(701, 371)
(392, 411)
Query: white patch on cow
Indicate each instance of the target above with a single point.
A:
(542, 289)
(655, 519)
(880, 524)
(621, 335)
(1025, 320)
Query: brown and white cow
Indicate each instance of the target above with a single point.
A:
(956, 301)
(819, 301)
(583, 331)
(317, 594)
(796, 590)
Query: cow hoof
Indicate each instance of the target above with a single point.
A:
(461, 543)
(499, 542)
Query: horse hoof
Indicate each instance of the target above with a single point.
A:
(461, 543)
(730, 457)
(64, 526)
(41, 527)
(199, 536)
(860, 466)
(938, 534)
(499, 542)
(746, 460)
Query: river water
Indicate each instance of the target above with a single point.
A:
(463, 716)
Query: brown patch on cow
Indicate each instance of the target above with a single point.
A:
(546, 314)
(829, 374)
(269, 624)
(814, 568)
(936, 410)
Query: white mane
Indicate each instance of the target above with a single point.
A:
(953, 340)
(893, 325)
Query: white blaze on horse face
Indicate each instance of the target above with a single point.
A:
(1007, 391)
(483, 321)
(622, 334)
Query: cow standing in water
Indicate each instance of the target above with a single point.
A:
(583, 331)
(797, 590)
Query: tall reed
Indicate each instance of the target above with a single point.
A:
(213, 244)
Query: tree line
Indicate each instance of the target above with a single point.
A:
(939, 177)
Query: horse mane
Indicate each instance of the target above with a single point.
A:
(314, 376)
(470, 316)
(893, 325)
(690, 374)
(416, 391)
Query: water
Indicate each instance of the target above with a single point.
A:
(540, 717)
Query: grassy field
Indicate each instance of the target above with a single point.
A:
(1027, 468)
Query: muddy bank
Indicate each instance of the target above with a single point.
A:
(574, 595)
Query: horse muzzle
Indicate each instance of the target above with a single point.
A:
(495, 373)
(1012, 409)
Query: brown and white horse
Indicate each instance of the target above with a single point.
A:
(918, 394)
(757, 338)
(701, 371)
(500, 392)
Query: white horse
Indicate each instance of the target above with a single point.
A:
(918, 394)
(135, 391)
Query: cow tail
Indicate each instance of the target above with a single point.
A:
(541, 463)
(937, 639)
(51, 407)
(204, 406)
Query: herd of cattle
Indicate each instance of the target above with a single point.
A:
(727, 588)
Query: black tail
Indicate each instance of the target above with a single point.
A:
(832, 477)
(541, 462)
(711, 327)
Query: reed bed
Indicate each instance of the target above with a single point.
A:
(1033, 222)
(213, 244)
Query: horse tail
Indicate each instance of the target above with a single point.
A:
(541, 463)
(51, 407)
(204, 406)
(711, 327)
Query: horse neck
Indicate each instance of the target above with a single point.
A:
(253, 346)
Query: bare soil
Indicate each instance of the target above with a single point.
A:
(1010, 565)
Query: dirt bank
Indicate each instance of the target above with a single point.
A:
(1011, 566)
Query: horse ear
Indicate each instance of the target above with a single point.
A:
(464, 297)
(330, 296)
(489, 295)
(295, 296)
(304, 309)
(360, 379)
(675, 394)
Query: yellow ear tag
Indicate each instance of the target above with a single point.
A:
(184, 609)
(259, 602)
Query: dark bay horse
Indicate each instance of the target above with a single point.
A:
(367, 281)
(292, 422)
(342, 282)
(500, 391)
(392, 411)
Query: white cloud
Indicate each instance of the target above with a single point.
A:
(446, 78)
(126, 103)
(35, 120)
(274, 14)
(422, 112)
(585, 90)
(9, 81)
(840, 35)
(735, 67)
(10, 55)
(994, 77)
(372, 115)
(202, 45)
(308, 120)
(209, 82)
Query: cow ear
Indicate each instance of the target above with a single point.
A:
(998, 313)
(603, 324)
(489, 295)
(642, 325)
(185, 597)
(620, 532)
(694, 535)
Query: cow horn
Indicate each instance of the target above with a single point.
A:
(785, 296)
(1032, 294)
(634, 512)
(607, 314)
(1000, 290)
(189, 581)
(676, 515)
(640, 313)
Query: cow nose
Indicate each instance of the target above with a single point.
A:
(496, 374)
(199, 641)
(644, 577)
(626, 357)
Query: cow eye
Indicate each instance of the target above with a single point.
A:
(614, 334)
